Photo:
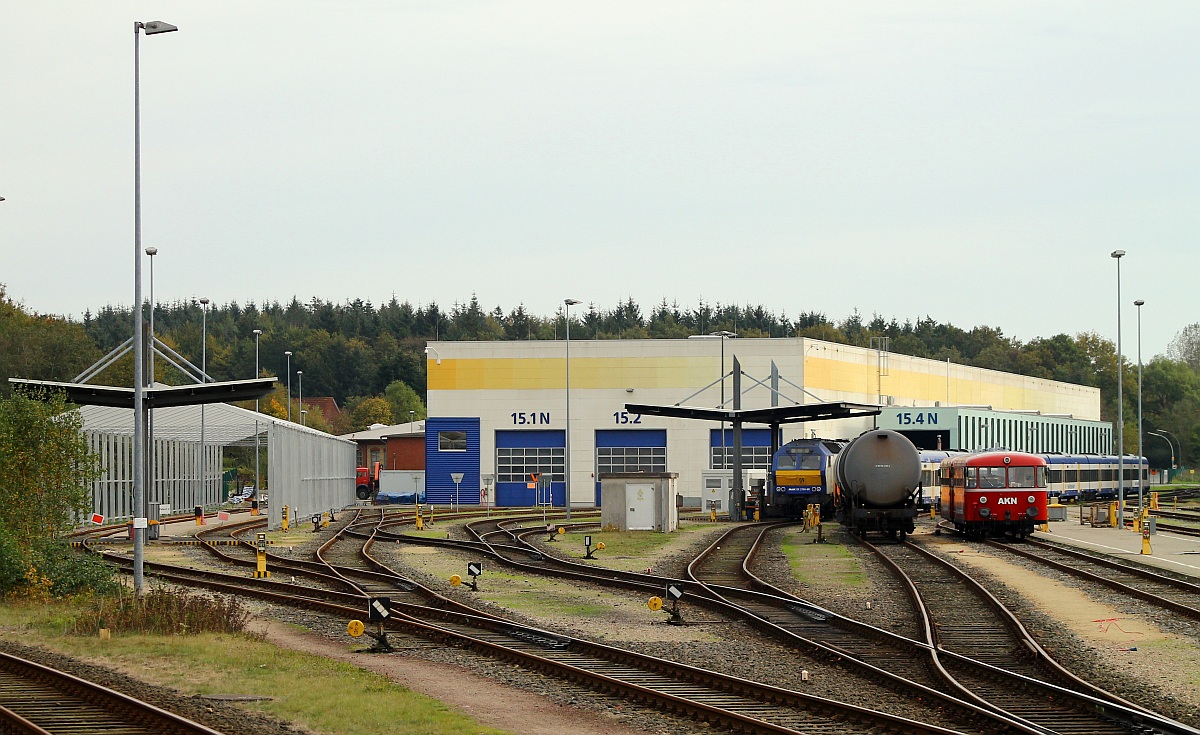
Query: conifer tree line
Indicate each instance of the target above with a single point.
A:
(371, 359)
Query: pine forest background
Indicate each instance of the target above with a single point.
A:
(371, 359)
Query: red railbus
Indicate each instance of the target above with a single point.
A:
(994, 492)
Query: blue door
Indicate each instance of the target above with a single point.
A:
(522, 454)
(629, 450)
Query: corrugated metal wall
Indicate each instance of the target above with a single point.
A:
(310, 472)
(176, 475)
(440, 464)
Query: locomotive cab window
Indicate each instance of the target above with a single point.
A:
(1026, 477)
(972, 478)
(991, 477)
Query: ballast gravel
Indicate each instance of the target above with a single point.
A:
(729, 647)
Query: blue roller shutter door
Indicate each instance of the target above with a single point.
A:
(522, 453)
(756, 449)
(629, 450)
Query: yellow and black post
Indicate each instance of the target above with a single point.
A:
(260, 548)
(199, 511)
(420, 522)
(284, 525)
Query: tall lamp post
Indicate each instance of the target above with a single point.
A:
(300, 379)
(568, 303)
(203, 379)
(1138, 304)
(1169, 444)
(412, 415)
(139, 397)
(288, 354)
(1179, 452)
(257, 482)
(1117, 255)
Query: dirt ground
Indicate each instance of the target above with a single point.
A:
(492, 704)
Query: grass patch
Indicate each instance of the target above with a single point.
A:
(830, 564)
(436, 532)
(321, 694)
(629, 550)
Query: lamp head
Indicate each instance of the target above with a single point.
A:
(151, 251)
(204, 301)
(257, 332)
(299, 372)
(572, 302)
(287, 353)
(1139, 302)
(1117, 254)
(157, 26)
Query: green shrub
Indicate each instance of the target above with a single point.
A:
(12, 563)
(51, 569)
(71, 572)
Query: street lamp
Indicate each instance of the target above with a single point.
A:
(300, 379)
(568, 303)
(1117, 255)
(257, 485)
(1138, 304)
(288, 354)
(1169, 444)
(1179, 444)
(139, 398)
(411, 415)
(203, 379)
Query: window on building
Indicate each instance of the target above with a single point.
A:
(452, 441)
(631, 459)
(516, 464)
(753, 458)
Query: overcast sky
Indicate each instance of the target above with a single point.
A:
(974, 162)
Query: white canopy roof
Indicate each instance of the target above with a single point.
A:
(223, 423)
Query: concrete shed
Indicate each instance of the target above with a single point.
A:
(639, 501)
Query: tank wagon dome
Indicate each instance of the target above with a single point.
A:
(880, 468)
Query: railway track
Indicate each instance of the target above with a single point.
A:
(877, 665)
(38, 700)
(722, 700)
(986, 650)
(339, 567)
(1154, 587)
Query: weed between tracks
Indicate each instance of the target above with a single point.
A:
(320, 694)
(161, 611)
(830, 564)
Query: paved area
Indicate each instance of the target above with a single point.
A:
(1171, 551)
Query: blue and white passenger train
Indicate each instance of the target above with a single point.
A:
(1075, 477)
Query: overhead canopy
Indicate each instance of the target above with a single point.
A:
(773, 415)
(161, 396)
(223, 424)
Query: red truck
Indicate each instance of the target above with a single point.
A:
(366, 481)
